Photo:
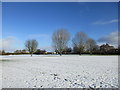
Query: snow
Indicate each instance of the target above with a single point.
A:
(54, 71)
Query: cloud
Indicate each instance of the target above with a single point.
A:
(11, 43)
(112, 38)
(106, 22)
(7, 43)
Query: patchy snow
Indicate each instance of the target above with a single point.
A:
(53, 71)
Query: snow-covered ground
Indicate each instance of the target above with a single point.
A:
(53, 71)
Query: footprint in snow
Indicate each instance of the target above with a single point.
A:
(65, 79)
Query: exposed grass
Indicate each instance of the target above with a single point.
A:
(6, 60)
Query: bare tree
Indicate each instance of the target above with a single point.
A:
(60, 40)
(31, 46)
(79, 41)
(90, 45)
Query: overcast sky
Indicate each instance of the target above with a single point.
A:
(38, 20)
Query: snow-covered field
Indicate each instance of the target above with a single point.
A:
(53, 71)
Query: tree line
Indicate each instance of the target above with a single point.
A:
(81, 44)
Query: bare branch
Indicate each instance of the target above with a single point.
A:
(31, 46)
(60, 39)
(79, 41)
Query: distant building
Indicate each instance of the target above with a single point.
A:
(20, 51)
(106, 48)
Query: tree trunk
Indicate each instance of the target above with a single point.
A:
(60, 53)
(90, 53)
(31, 54)
(80, 53)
